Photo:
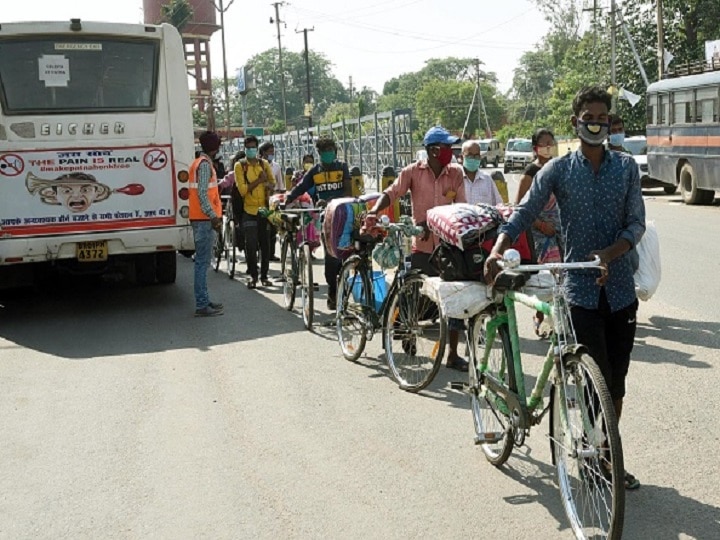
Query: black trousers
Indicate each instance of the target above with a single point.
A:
(332, 270)
(609, 337)
(256, 236)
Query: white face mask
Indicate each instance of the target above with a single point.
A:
(547, 152)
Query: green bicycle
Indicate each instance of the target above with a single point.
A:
(413, 330)
(584, 437)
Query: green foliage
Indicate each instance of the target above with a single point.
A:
(518, 130)
(265, 102)
(177, 12)
(339, 111)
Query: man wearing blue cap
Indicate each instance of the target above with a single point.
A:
(431, 182)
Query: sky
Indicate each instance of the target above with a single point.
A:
(372, 41)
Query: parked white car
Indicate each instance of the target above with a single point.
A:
(520, 156)
(637, 146)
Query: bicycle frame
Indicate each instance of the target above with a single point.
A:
(518, 405)
(373, 316)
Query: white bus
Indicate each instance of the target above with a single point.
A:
(96, 140)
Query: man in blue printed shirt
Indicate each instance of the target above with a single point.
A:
(602, 213)
(327, 180)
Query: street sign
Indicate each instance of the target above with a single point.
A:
(257, 131)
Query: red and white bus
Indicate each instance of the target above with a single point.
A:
(96, 141)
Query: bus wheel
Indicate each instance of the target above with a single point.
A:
(691, 194)
(145, 269)
(166, 266)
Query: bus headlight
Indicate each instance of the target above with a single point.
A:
(184, 212)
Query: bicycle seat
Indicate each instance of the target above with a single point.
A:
(510, 281)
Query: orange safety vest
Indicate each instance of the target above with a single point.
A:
(196, 212)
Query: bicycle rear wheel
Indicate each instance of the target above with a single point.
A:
(351, 320)
(493, 428)
(414, 335)
(306, 286)
(230, 247)
(587, 451)
(288, 271)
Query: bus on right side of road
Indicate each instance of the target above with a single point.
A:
(683, 135)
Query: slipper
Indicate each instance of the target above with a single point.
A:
(457, 363)
(631, 482)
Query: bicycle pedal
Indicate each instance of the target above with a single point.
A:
(459, 385)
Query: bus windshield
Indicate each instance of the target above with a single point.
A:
(59, 75)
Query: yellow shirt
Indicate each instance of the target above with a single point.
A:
(245, 174)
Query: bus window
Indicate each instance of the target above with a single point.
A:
(108, 74)
(682, 107)
(707, 105)
(652, 110)
(663, 106)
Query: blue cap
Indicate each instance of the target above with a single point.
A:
(439, 135)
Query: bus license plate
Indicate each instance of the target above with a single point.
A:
(92, 251)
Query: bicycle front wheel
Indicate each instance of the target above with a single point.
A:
(587, 451)
(306, 286)
(351, 315)
(230, 248)
(414, 334)
(493, 429)
(288, 271)
(218, 250)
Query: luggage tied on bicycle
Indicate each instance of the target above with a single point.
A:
(454, 263)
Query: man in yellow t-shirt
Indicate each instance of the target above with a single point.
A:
(255, 181)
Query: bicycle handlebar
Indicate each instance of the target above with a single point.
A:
(511, 261)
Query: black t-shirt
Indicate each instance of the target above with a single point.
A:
(531, 170)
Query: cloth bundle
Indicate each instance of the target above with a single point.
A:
(462, 225)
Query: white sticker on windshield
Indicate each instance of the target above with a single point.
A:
(54, 69)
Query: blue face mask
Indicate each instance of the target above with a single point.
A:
(617, 139)
(471, 164)
(251, 153)
(270, 157)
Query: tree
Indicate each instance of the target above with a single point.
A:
(264, 103)
(177, 12)
(339, 111)
(448, 102)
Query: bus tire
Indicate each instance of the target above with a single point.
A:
(691, 194)
(166, 267)
(145, 269)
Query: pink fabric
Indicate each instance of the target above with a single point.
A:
(426, 192)
(458, 224)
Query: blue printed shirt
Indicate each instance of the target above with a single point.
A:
(595, 211)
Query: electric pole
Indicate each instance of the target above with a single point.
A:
(280, 64)
(481, 102)
(661, 36)
(222, 11)
(307, 75)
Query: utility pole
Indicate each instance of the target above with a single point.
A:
(481, 101)
(613, 69)
(351, 88)
(222, 11)
(280, 64)
(307, 74)
(661, 39)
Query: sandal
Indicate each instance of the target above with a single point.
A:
(631, 482)
(536, 325)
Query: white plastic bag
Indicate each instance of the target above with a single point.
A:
(647, 277)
